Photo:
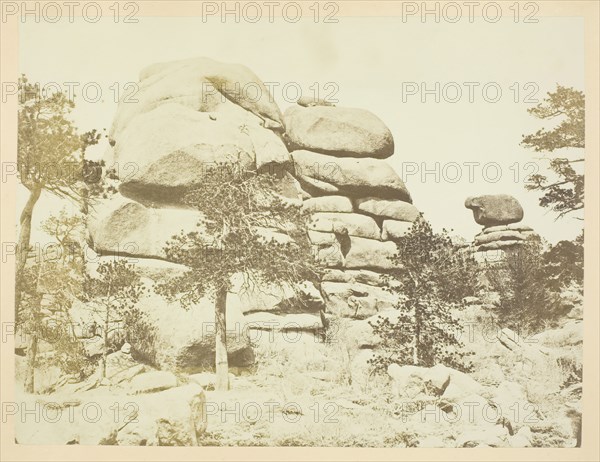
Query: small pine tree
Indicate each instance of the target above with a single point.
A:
(520, 279)
(425, 332)
(249, 228)
(113, 294)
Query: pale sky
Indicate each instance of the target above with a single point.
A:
(370, 61)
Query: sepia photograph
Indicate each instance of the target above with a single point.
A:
(300, 225)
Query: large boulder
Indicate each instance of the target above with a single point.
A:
(355, 177)
(338, 131)
(314, 187)
(171, 149)
(511, 227)
(289, 322)
(175, 417)
(183, 339)
(200, 84)
(493, 210)
(123, 227)
(512, 403)
(382, 208)
(152, 381)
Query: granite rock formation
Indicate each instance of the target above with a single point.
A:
(188, 118)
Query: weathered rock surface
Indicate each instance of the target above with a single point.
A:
(184, 339)
(328, 204)
(352, 276)
(370, 254)
(356, 300)
(203, 85)
(175, 417)
(289, 322)
(356, 177)
(150, 382)
(494, 210)
(124, 227)
(382, 208)
(393, 229)
(328, 248)
(485, 238)
(352, 224)
(338, 131)
(511, 227)
(308, 101)
(274, 298)
(169, 150)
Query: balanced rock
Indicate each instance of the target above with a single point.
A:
(493, 210)
(338, 131)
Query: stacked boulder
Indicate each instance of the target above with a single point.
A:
(187, 118)
(500, 216)
(359, 204)
(192, 116)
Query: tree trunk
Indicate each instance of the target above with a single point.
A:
(221, 362)
(23, 243)
(31, 357)
(105, 338)
(417, 339)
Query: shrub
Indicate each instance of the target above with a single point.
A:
(525, 303)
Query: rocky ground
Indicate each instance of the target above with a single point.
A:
(309, 392)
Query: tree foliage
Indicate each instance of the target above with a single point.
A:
(50, 149)
(426, 332)
(49, 287)
(563, 264)
(50, 157)
(250, 229)
(525, 302)
(564, 193)
(113, 295)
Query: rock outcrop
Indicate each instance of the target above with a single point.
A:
(192, 117)
(500, 216)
